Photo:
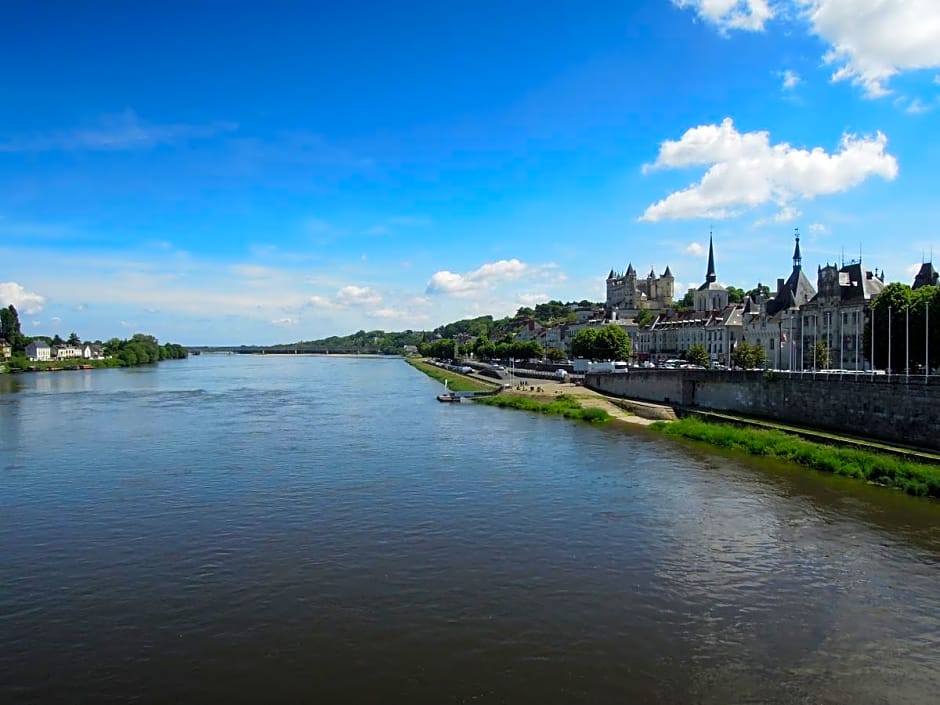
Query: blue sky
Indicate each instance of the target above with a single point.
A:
(223, 173)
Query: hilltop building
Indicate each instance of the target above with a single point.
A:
(627, 294)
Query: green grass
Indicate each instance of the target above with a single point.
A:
(914, 478)
(455, 381)
(562, 405)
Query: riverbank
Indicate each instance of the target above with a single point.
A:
(913, 478)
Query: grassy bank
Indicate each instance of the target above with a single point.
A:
(562, 405)
(914, 478)
(455, 381)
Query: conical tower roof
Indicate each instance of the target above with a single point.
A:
(710, 274)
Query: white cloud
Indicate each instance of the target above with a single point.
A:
(531, 299)
(750, 15)
(695, 248)
(286, 321)
(252, 271)
(124, 131)
(320, 302)
(745, 171)
(912, 270)
(790, 79)
(917, 107)
(393, 314)
(24, 301)
(357, 296)
(818, 229)
(480, 279)
(55, 320)
(874, 40)
(375, 230)
(784, 215)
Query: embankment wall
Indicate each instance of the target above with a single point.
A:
(890, 408)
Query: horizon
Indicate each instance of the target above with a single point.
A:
(286, 173)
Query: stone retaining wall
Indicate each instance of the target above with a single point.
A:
(891, 408)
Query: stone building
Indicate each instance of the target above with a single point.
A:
(628, 294)
(927, 276)
(837, 315)
(713, 323)
(776, 324)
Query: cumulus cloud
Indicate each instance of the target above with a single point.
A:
(818, 229)
(471, 283)
(357, 296)
(24, 301)
(55, 320)
(286, 321)
(749, 15)
(791, 79)
(873, 40)
(746, 171)
(695, 248)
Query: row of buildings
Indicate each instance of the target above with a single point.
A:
(41, 351)
(787, 324)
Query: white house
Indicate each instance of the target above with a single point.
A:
(67, 351)
(39, 351)
(93, 351)
(6, 350)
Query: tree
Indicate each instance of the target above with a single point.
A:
(10, 328)
(697, 355)
(821, 357)
(57, 339)
(74, 339)
(749, 355)
(907, 311)
(608, 343)
(645, 318)
(759, 291)
(687, 302)
(735, 295)
(555, 355)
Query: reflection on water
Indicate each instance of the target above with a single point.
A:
(241, 529)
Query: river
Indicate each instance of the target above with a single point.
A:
(309, 529)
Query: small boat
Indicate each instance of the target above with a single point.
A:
(448, 396)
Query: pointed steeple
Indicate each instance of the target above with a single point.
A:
(710, 274)
(667, 273)
(797, 257)
(630, 269)
(611, 275)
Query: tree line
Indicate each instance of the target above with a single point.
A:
(139, 349)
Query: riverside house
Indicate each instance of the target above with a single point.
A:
(6, 350)
(39, 351)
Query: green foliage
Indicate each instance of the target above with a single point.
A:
(913, 478)
(143, 349)
(759, 291)
(687, 302)
(555, 355)
(10, 328)
(74, 339)
(697, 355)
(562, 405)
(645, 318)
(735, 295)
(821, 357)
(905, 305)
(748, 355)
(608, 343)
(456, 382)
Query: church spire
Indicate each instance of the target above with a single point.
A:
(797, 257)
(710, 274)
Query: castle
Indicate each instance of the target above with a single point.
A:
(627, 294)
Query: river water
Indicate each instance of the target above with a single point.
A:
(306, 529)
